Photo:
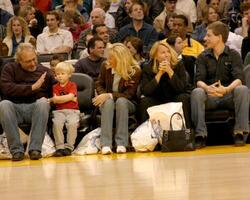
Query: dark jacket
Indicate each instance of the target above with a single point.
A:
(16, 83)
(104, 84)
(166, 88)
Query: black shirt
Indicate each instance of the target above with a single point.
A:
(227, 68)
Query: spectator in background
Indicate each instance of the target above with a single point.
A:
(84, 53)
(97, 17)
(73, 5)
(75, 23)
(122, 17)
(29, 15)
(135, 46)
(17, 32)
(56, 58)
(91, 65)
(116, 89)
(22, 6)
(221, 6)
(191, 46)
(105, 5)
(169, 9)
(138, 28)
(26, 85)
(188, 8)
(55, 40)
(44, 5)
(243, 30)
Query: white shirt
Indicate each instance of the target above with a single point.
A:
(47, 42)
(109, 20)
(188, 7)
(234, 41)
(7, 6)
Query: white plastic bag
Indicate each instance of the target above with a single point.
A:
(163, 114)
(48, 147)
(4, 148)
(90, 143)
(146, 136)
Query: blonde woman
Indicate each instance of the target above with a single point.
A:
(164, 79)
(116, 91)
(17, 32)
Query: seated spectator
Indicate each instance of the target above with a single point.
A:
(219, 80)
(201, 30)
(109, 19)
(188, 8)
(73, 5)
(138, 28)
(135, 47)
(245, 9)
(84, 53)
(191, 46)
(55, 40)
(221, 6)
(169, 9)
(92, 64)
(56, 58)
(116, 94)
(67, 111)
(168, 26)
(25, 86)
(75, 24)
(22, 6)
(164, 80)
(17, 32)
(44, 6)
(97, 17)
(29, 15)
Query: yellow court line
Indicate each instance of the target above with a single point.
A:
(210, 150)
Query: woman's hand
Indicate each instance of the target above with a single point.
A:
(166, 67)
(100, 99)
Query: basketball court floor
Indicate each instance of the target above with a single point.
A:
(216, 172)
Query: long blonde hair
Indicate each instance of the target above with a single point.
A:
(25, 28)
(126, 65)
(153, 52)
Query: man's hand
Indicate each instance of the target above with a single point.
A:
(100, 99)
(216, 89)
(39, 82)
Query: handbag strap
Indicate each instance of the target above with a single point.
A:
(177, 113)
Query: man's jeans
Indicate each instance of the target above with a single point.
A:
(12, 114)
(238, 99)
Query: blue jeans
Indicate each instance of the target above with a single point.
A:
(238, 99)
(12, 114)
(123, 107)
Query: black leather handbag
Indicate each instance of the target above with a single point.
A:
(177, 140)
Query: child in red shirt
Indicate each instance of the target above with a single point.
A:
(67, 111)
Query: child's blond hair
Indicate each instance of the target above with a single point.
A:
(65, 67)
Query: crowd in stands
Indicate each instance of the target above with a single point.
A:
(189, 51)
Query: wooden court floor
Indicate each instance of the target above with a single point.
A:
(213, 173)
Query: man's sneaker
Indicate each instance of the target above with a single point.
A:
(67, 152)
(200, 142)
(121, 149)
(106, 150)
(18, 156)
(59, 153)
(35, 155)
(239, 139)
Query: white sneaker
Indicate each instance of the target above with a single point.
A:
(106, 150)
(121, 149)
